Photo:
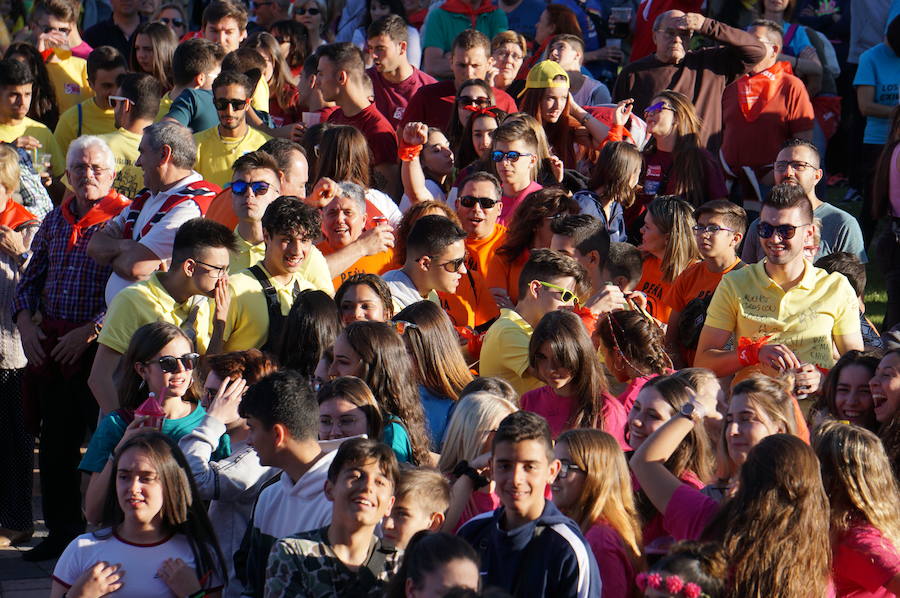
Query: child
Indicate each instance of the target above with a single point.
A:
(719, 230)
(594, 488)
(434, 565)
(561, 355)
(623, 266)
(158, 532)
(420, 501)
(344, 558)
(527, 546)
(696, 569)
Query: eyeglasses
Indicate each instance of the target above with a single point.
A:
(172, 21)
(169, 363)
(796, 165)
(470, 101)
(565, 468)
(453, 266)
(469, 201)
(709, 229)
(222, 104)
(302, 11)
(402, 326)
(657, 108)
(82, 169)
(258, 187)
(498, 156)
(114, 101)
(565, 295)
(508, 56)
(216, 271)
(784, 231)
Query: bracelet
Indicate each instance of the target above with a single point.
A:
(408, 153)
(748, 350)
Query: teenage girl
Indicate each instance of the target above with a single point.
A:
(845, 393)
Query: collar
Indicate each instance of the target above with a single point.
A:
(178, 186)
(807, 279)
(167, 301)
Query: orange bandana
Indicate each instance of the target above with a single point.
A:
(755, 91)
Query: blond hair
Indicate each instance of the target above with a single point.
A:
(675, 217)
(9, 169)
(427, 488)
(475, 417)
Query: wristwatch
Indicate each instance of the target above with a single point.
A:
(23, 257)
(693, 411)
(464, 469)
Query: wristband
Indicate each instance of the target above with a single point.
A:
(464, 469)
(748, 350)
(408, 153)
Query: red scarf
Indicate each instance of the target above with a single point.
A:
(755, 91)
(464, 8)
(101, 211)
(14, 215)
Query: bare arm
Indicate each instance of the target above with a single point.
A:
(848, 342)
(135, 261)
(649, 462)
(865, 95)
(711, 355)
(436, 63)
(411, 173)
(370, 242)
(100, 380)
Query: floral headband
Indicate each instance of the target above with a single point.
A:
(673, 584)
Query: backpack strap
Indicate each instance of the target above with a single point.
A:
(789, 35)
(273, 305)
(80, 119)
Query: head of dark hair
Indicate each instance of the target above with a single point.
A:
(431, 235)
(260, 159)
(563, 19)
(217, 10)
(346, 57)
(282, 150)
(146, 342)
(64, 10)
(312, 325)
(774, 32)
(587, 233)
(703, 564)
(226, 78)
(531, 215)
(247, 60)
(392, 25)
(44, 105)
(359, 451)
(198, 234)
(374, 282)
(491, 385)
(786, 196)
(624, 259)
(144, 91)
(288, 215)
(13, 73)
(285, 398)
(299, 37)
(847, 264)
(548, 266)
(252, 365)
(471, 38)
(105, 58)
(733, 215)
(482, 177)
(810, 147)
(425, 554)
(613, 171)
(520, 426)
(194, 57)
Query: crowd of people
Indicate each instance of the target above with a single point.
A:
(454, 298)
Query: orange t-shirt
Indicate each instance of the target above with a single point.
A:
(472, 304)
(369, 264)
(505, 275)
(652, 285)
(221, 211)
(696, 281)
(483, 252)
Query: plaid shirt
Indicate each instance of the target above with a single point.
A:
(62, 284)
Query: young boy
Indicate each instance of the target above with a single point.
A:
(344, 558)
(527, 546)
(549, 280)
(854, 270)
(623, 266)
(720, 227)
(420, 501)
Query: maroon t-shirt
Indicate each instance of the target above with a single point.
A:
(377, 130)
(433, 104)
(391, 99)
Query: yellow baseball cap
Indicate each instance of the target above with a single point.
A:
(544, 75)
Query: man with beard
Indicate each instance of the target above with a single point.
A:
(798, 163)
(783, 313)
(218, 147)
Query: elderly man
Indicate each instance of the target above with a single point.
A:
(701, 75)
(139, 240)
(66, 287)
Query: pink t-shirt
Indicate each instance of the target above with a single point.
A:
(688, 513)
(864, 560)
(557, 410)
(629, 395)
(82, 50)
(616, 569)
(656, 537)
(511, 203)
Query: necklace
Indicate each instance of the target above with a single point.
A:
(231, 145)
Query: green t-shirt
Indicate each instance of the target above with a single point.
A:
(442, 27)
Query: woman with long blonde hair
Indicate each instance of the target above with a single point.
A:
(593, 487)
(865, 510)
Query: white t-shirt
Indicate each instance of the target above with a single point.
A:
(140, 562)
(436, 192)
(384, 204)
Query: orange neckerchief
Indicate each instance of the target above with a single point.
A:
(755, 91)
(101, 211)
(14, 215)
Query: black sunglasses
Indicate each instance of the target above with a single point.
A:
(222, 104)
(453, 266)
(169, 363)
(168, 21)
(498, 156)
(785, 231)
(302, 11)
(469, 201)
(258, 187)
(470, 101)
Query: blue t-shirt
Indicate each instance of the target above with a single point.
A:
(396, 437)
(588, 31)
(437, 414)
(799, 41)
(112, 428)
(525, 16)
(194, 109)
(880, 68)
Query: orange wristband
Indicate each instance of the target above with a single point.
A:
(748, 350)
(408, 153)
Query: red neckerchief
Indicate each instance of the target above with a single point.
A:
(462, 7)
(101, 211)
(489, 111)
(15, 215)
(755, 91)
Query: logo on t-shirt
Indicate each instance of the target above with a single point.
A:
(398, 113)
(72, 89)
(654, 170)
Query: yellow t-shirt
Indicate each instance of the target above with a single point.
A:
(165, 103)
(147, 301)
(504, 352)
(9, 133)
(248, 317)
(315, 268)
(215, 154)
(260, 99)
(124, 145)
(94, 121)
(70, 81)
(805, 317)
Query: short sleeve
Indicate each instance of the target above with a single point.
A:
(865, 557)
(162, 236)
(183, 108)
(69, 566)
(120, 322)
(103, 443)
(722, 310)
(865, 73)
(675, 295)
(688, 513)
(514, 343)
(433, 31)
(315, 270)
(847, 319)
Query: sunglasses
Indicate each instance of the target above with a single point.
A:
(469, 201)
(302, 11)
(470, 101)
(565, 295)
(565, 467)
(114, 101)
(172, 21)
(709, 228)
(453, 266)
(169, 363)
(784, 231)
(222, 104)
(258, 187)
(498, 156)
(657, 108)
